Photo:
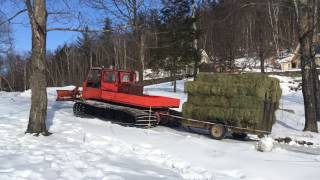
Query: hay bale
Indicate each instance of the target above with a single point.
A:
(246, 100)
(233, 116)
(224, 89)
(193, 87)
(255, 78)
(226, 102)
(230, 85)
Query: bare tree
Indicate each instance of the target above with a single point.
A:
(6, 40)
(127, 11)
(38, 20)
(273, 10)
(37, 13)
(306, 21)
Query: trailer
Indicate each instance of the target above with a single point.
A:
(217, 129)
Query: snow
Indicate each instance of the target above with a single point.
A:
(265, 144)
(290, 117)
(89, 148)
(151, 74)
(166, 89)
(247, 62)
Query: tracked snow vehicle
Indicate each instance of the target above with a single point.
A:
(116, 95)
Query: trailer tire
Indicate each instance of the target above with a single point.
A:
(240, 136)
(218, 131)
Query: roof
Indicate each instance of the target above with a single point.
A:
(287, 59)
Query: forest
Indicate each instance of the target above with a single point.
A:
(145, 39)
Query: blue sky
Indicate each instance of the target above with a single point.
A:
(22, 38)
(21, 31)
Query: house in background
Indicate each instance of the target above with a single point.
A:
(292, 61)
(289, 60)
(317, 59)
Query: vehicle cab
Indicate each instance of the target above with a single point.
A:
(110, 81)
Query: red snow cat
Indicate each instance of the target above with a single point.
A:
(115, 94)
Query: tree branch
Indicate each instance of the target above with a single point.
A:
(77, 30)
(12, 17)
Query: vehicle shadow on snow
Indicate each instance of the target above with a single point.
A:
(206, 133)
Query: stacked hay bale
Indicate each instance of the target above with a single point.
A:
(242, 100)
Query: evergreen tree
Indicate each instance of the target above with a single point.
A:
(178, 35)
(85, 43)
(107, 31)
(106, 43)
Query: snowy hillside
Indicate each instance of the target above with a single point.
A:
(88, 148)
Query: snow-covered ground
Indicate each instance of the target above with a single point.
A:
(151, 74)
(88, 148)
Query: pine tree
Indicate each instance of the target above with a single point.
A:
(107, 31)
(106, 42)
(84, 43)
(178, 35)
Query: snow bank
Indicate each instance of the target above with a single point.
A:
(88, 148)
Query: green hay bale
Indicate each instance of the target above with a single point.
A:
(255, 78)
(275, 90)
(226, 102)
(224, 89)
(247, 100)
(230, 85)
(197, 88)
(220, 101)
(247, 118)
(231, 90)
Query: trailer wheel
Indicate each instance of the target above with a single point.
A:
(218, 131)
(239, 136)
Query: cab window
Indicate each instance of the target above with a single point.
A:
(109, 77)
(125, 78)
(93, 79)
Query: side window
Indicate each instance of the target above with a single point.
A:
(125, 78)
(109, 77)
(93, 79)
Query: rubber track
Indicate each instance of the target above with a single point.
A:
(122, 115)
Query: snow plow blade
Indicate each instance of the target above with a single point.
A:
(68, 95)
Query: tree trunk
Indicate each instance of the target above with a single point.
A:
(315, 39)
(174, 75)
(261, 40)
(125, 54)
(195, 41)
(309, 91)
(25, 76)
(317, 95)
(38, 112)
(142, 56)
(261, 57)
(305, 22)
(273, 9)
